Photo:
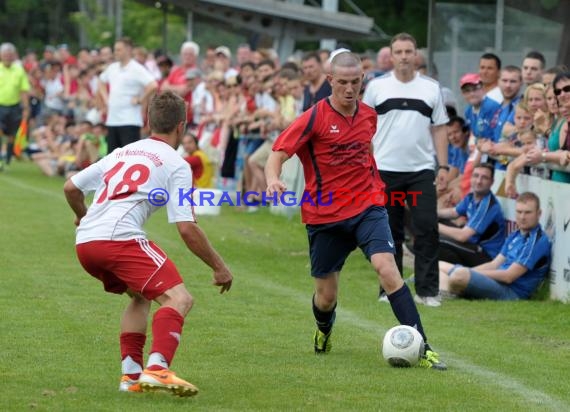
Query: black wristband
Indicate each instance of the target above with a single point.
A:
(443, 167)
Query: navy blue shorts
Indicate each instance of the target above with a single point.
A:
(331, 243)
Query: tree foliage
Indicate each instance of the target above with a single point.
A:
(96, 25)
(35, 23)
(393, 16)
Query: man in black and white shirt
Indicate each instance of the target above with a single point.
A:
(411, 131)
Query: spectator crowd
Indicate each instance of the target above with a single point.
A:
(515, 117)
(82, 106)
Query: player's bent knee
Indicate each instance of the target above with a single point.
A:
(387, 271)
(326, 295)
(178, 298)
(385, 265)
(186, 303)
(326, 300)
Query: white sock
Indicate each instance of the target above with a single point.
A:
(156, 358)
(130, 367)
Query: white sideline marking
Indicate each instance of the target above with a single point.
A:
(31, 188)
(56, 195)
(489, 377)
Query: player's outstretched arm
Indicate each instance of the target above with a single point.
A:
(273, 169)
(199, 244)
(76, 200)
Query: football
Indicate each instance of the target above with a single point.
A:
(402, 346)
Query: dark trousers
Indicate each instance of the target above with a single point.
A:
(461, 253)
(119, 136)
(10, 118)
(423, 221)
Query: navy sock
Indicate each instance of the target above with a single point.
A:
(405, 309)
(324, 320)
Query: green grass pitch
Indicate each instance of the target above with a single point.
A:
(251, 350)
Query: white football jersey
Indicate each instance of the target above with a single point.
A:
(130, 184)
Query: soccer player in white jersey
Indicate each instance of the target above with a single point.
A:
(411, 133)
(112, 246)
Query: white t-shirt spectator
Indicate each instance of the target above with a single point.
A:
(495, 94)
(202, 102)
(53, 91)
(406, 111)
(264, 100)
(125, 83)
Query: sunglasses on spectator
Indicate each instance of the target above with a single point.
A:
(470, 88)
(565, 89)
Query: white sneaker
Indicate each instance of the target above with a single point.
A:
(432, 301)
(445, 295)
(383, 298)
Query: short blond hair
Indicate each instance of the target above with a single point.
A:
(535, 86)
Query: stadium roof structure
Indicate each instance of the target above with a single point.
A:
(272, 17)
(284, 20)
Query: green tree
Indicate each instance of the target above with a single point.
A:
(97, 26)
(393, 17)
(34, 23)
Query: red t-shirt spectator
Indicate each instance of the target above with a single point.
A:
(70, 60)
(177, 75)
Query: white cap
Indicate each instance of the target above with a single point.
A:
(225, 51)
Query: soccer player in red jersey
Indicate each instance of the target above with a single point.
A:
(333, 140)
(112, 246)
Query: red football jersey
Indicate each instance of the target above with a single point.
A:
(341, 175)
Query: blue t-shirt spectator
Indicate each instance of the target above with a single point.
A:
(505, 114)
(486, 219)
(457, 157)
(532, 251)
(481, 122)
